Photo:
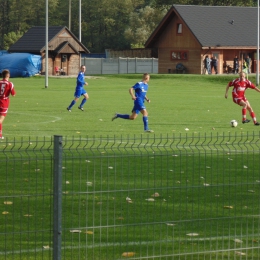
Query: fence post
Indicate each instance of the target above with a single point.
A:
(102, 59)
(135, 65)
(57, 196)
(152, 64)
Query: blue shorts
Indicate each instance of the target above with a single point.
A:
(79, 92)
(138, 107)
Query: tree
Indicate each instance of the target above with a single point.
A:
(113, 24)
(168, 3)
(104, 24)
(142, 24)
(10, 38)
(4, 20)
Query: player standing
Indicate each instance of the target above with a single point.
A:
(239, 87)
(80, 91)
(138, 94)
(6, 89)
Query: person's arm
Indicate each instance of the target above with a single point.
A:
(227, 88)
(81, 80)
(147, 99)
(257, 89)
(131, 92)
(13, 92)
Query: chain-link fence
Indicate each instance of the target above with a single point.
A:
(151, 197)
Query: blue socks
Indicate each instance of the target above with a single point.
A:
(123, 116)
(145, 120)
(72, 104)
(83, 102)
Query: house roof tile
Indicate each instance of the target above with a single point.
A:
(215, 26)
(33, 41)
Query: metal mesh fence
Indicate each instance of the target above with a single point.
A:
(120, 65)
(25, 199)
(151, 197)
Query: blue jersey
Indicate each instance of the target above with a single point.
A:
(80, 84)
(140, 91)
(80, 80)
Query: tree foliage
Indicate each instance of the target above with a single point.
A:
(105, 24)
(10, 38)
(141, 25)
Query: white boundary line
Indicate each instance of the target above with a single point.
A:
(56, 118)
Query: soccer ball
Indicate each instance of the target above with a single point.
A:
(233, 123)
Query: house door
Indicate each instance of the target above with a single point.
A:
(216, 54)
(64, 64)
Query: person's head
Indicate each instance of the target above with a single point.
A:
(6, 74)
(83, 68)
(242, 75)
(146, 77)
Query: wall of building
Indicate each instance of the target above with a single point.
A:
(170, 41)
(69, 66)
(74, 64)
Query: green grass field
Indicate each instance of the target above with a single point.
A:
(198, 173)
(177, 102)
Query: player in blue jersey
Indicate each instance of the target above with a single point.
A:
(80, 91)
(138, 94)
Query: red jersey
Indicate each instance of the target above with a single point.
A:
(239, 87)
(6, 89)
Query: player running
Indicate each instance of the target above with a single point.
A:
(138, 94)
(239, 87)
(6, 89)
(80, 91)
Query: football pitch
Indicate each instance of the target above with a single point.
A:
(171, 194)
(180, 104)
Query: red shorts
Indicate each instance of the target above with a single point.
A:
(238, 99)
(3, 111)
(4, 104)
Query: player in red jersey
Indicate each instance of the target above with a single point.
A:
(239, 87)
(6, 89)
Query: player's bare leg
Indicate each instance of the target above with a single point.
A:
(252, 114)
(84, 100)
(244, 106)
(133, 116)
(125, 116)
(1, 126)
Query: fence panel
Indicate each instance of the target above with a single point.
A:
(162, 198)
(26, 199)
(151, 197)
(120, 65)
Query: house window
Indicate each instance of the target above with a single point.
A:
(179, 28)
(179, 55)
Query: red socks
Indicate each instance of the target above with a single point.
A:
(243, 114)
(252, 114)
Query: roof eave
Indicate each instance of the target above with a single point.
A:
(75, 38)
(228, 47)
(154, 36)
